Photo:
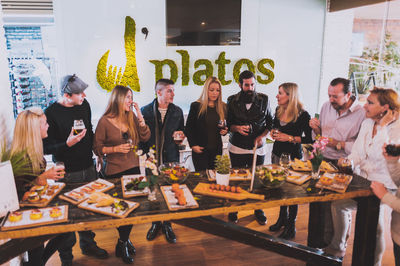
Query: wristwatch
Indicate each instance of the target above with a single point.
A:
(339, 145)
(291, 139)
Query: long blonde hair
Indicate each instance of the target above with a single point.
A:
(220, 106)
(294, 106)
(115, 109)
(27, 137)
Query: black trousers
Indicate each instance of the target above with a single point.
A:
(125, 230)
(396, 251)
(204, 160)
(244, 160)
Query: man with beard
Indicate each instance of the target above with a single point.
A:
(340, 120)
(249, 120)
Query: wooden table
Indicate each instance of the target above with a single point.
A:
(200, 219)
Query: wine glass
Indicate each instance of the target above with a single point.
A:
(60, 167)
(284, 160)
(221, 124)
(178, 137)
(79, 126)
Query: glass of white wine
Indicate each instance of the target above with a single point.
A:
(284, 160)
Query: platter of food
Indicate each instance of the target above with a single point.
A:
(298, 178)
(105, 204)
(227, 192)
(35, 217)
(130, 185)
(174, 172)
(298, 165)
(236, 174)
(81, 193)
(178, 197)
(40, 196)
(271, 176)
(334, 182)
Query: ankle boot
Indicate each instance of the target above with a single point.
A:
(282, 220)
(131, 248)
(290, 228)
(122, 251)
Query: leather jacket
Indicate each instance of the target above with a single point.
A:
(258, 116)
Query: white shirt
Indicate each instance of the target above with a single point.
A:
(366, 153)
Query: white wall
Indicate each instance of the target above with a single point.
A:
(289, 31)
(336, 51)
(6, 108)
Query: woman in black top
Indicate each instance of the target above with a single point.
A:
(290, 130)
(202, 130)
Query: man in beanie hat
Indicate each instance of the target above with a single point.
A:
(74, 150)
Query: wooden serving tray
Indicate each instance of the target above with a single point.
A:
(204, 189)
(67, 197)
(335, 186)
(26, 222)
(133, 193)
(108, 210)
(232, 177)
(308, 168)
(297, 178)
(171, 201)
(45, 199)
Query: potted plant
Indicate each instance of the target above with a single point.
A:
(222, 169)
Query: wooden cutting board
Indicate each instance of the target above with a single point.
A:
(204, 189)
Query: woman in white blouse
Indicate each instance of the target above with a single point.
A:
(368, 161)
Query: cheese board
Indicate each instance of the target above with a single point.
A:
(107, 205)
(129, 185)
(297, 178)
(334, 182)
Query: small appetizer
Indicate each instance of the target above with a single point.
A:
(15, 216)
(98, 185)
(36, 214)
(76, 195)
(55, 212)
(39, 189)
(326, 181)
(119, 206)
(242, 172)
(341, 178)
(87, 190)
(175, 187)
(33, 197)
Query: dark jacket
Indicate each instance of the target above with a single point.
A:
(196, 129)
(258, 116)
(161, 133)
(300, 128)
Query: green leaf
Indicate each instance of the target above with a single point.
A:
(142, 185)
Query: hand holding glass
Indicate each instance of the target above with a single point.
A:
(60, 168)
(178, 137)
(79, 126)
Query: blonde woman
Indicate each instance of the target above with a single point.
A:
(118, 131)
(202, 123)
(30, 128)
(290, 129)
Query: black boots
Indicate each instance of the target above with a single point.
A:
(290, 228)
(282, 220)
(289, 231)
(124, 250)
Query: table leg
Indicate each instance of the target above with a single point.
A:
(14, 247)
(365, 231)
(257, 239)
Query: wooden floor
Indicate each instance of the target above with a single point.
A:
(197, 248)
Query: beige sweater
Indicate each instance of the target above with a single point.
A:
(108, 135)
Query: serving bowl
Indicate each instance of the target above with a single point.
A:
(271, 176)
(174, 172)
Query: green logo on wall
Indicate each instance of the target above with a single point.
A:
(108, 79)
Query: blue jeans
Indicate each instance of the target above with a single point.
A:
(86, 238)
